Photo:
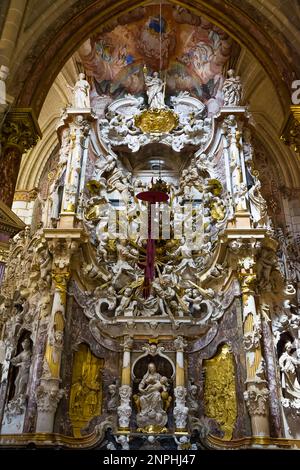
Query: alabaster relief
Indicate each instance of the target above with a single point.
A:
(153, 304)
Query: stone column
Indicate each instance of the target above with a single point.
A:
(125, 408)
(180, 410)
(257, 393)
(49, 393)
(19, 133)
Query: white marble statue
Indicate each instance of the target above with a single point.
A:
(289, 364)
(155, 90)
(258, 205)
(151, 402)
(124, 409)
(81, 92)
(232, 89)
(23, 362)
(180, 409)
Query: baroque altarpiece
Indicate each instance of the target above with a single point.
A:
(153, 303)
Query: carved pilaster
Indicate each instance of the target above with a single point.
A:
(19, 133)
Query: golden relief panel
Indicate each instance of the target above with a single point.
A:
(86, 390)
(219, 390)
(157, 121)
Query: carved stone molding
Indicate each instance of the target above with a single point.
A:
(256, 398)
(48, 398)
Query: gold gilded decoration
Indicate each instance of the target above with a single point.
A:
(152, 429)
(93, 186)
(95, 211)
(70, 207)
(26, 196)
(215, 187)
(291, 131)
(219, 390)
(86, 390)
(4, 255)
(54, 345)
(60, 281)
(20, 130)
(157, 121)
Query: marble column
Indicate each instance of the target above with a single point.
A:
(125, 391)
(257, 393)
(180, 409)
(49, 392)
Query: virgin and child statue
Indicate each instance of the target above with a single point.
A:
(153, 400)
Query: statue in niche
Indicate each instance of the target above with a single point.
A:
(232, 89)
(154, 90)
(23, 362)
(153, 400)
(81, 92)
(289, 365)
(258, 205)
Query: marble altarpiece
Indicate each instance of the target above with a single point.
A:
(208, 351)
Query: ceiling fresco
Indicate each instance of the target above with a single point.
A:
(187, 50)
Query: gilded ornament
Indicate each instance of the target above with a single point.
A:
(86, 390)
(157, 121)
(93, 186)
(70, 207)
(153, 429)
(20, 130)
(60, 280)
(219, 391)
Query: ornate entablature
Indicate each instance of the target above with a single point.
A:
(131, 125)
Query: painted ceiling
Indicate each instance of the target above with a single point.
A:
(187, 50)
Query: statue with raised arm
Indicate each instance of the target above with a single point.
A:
(154, 90)
(81, 92)
(23, 362)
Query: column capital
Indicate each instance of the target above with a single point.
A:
(20, 130)
(291, 131)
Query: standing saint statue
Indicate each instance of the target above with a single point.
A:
(232, 90)
(154, 90)
(23, 362)
(81, 92)
(289, 365)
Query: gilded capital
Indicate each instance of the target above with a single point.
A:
(291, 131)
(20, 130)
